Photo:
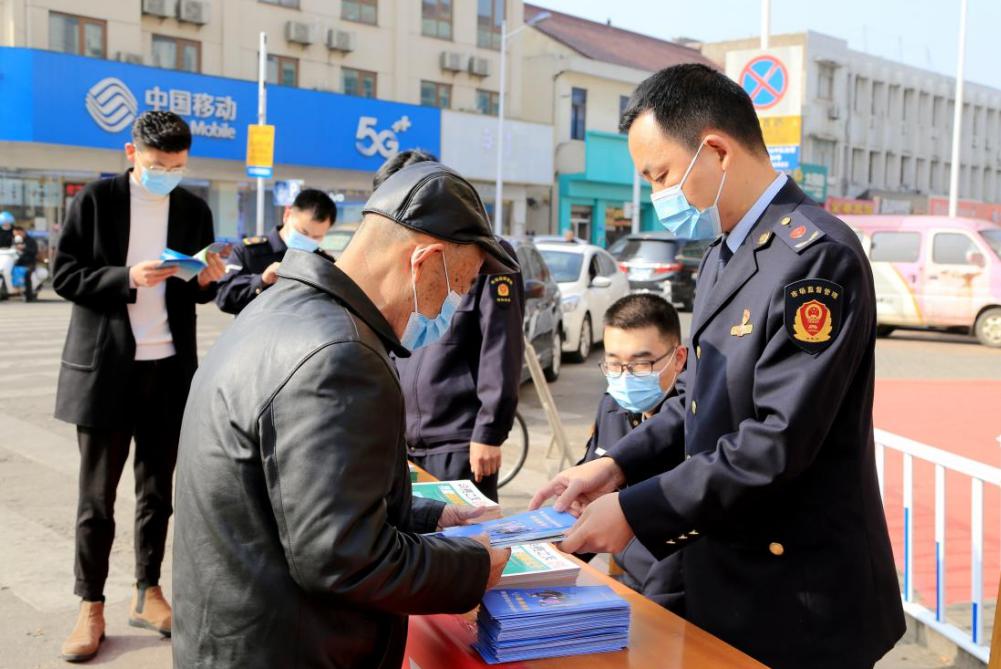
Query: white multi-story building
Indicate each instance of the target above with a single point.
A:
(351, 82)
(883, 128)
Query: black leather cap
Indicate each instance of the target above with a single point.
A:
(430, 198)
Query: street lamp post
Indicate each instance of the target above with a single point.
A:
(957, 121)
(499, 183)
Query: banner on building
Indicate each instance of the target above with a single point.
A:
(845, 205)
(784, 158)
(939, 206)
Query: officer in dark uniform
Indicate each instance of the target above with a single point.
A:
(643, 358)
(776, 505)
(462, 391)
(304, 224)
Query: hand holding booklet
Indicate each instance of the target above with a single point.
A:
(187, 266)
(530, 527)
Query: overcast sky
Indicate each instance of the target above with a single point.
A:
(922, 33)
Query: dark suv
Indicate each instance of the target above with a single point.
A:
(657, 262)
(543, 313)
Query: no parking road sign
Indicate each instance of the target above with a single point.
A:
(766, 80)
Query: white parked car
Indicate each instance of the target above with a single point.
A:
(590, 281)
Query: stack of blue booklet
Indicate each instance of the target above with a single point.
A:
(533, 623)
(529, 527)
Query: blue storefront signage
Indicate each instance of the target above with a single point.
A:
(784, 158)
(57, 98)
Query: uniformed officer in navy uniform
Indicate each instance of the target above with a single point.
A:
(304, 225)
(462, 391)
(776, 504)
(643, 358)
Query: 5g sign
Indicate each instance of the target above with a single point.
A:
(369, 140)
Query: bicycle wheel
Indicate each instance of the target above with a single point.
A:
(514, 451)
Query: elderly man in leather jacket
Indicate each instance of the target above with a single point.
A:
(297, 540)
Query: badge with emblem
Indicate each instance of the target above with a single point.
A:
(745, 327)
(813, 313)
(501, 286)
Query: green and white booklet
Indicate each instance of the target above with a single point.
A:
(460, 493)
(537, 565)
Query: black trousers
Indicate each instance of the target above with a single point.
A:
(155, 405)
(452, 464)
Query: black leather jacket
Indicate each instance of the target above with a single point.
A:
(296, 541)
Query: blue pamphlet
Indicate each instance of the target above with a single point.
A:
(522, 528)
(188, 267)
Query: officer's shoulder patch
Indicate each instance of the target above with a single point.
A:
(798, 231)
(502, 289)
(813, 313)
(254, 241)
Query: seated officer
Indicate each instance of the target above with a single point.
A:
(643, 358)
(303, 227)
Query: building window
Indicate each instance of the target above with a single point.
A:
(174, 53)
(824, 152)
(78, 34)
(489, 16)
(434, 94)
(360, 11)
(623, 103)
(878, 99)
(283, 70)
(360, 83)
(825, 81)
(436, 18)
(861, 85)
(578, 113)
(294, 4)
(937, 108)
(858, 166)
(487, 102)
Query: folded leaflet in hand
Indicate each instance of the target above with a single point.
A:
(522, 528)
(188, 267)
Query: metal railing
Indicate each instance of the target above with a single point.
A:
(978, 474)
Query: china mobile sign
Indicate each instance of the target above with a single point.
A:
(56, 98)
(113, 108)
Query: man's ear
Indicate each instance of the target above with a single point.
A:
(421, 254)
(680, 358)
(130, 152)
(721, 147)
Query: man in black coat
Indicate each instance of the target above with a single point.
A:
(776, 503)
(129, 357)
(462, 391)
(304, 225)
(297, 540)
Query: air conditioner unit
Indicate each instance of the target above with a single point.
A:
(165, 9)
(833, 112)
(299, 32)
(126, 57)
(479, 67)
(340, 40)
(452, 61)
(194, 11)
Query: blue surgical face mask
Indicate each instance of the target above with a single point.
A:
(637, 394)
(422, 331)
(160, 182)
(677, 215)
(297, 240)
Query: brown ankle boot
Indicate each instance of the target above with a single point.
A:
(150, 610)
(87, 635)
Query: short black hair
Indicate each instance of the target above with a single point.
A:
(161, 130)
(317, 203)
(643, 310)
(689, 99)
(399, 161)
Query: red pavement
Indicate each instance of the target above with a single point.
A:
(962, 417)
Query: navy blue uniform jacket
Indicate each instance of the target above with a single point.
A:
(776, 504)
(254, 255)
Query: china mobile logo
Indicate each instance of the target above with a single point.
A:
(111, 105)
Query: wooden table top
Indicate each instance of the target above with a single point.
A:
(657, 638)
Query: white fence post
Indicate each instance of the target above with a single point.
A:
(977, 559)
(940, 543)
(908, 527)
